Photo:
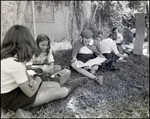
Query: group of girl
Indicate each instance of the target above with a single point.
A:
(91, 46)
(20, 91)
(19, 52)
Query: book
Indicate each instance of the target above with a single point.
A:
(90, 63)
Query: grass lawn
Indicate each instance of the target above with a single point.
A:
(124, 94)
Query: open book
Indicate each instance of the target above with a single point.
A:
(97, 60)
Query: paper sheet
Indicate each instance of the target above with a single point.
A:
(97, 60)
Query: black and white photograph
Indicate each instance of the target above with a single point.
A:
(75, 59)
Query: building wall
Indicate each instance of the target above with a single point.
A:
(56, 29)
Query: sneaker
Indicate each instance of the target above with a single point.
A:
(71, 85)
(99, 80)
(83, 80)
(114, 68)
(20, 113)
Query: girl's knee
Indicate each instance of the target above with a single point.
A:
(95, 67)
(73, 65)
(50, 84)
(61, 92)
(54, 84)
(57, 68)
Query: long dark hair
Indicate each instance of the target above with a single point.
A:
(18, 42)
(114, 29)
(40, 38)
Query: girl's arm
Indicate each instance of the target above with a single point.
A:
(29, 64)
(120, 38)
(19, 73)
(73, 60)
(27, 89)
(49, 67)
(76, 48)
(121, 55)
(51, 64)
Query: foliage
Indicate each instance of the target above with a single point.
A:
(111, 12)
(57, 4)
(136, 5)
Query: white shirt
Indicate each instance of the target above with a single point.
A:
(108, 45)
(85, 49)
(12, 74)
(119, 38)
(41, 58)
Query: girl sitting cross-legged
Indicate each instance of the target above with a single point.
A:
(43, 57)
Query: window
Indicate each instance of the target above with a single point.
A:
(44, 11)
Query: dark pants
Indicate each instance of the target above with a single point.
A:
(119, 47)
(111, 56)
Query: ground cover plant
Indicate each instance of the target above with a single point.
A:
(124, 94)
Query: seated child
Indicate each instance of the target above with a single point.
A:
(43, 56)
(84, 50)
(109, 49)
(118, 39)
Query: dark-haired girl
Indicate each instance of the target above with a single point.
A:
(44, 55)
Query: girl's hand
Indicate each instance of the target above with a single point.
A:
(73, 60)
(33, 84)
(102, 56)
(38, 79)
(86, 67)
(125, 55)
(48, 68)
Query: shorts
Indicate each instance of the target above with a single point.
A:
(17, 99)
(85, 57)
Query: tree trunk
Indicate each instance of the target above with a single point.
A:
(99, 26)
(86, 7)
(21, 7)
(147, 10)
(8, 16)
(80, 14)
(12, 12)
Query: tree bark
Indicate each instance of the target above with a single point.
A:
(8, 16)
(21, 7)
(80, 14)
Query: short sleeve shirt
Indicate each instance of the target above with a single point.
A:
(108, 45)
(12, 74)
(85, 49)
(119, 38)
(42, 57)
